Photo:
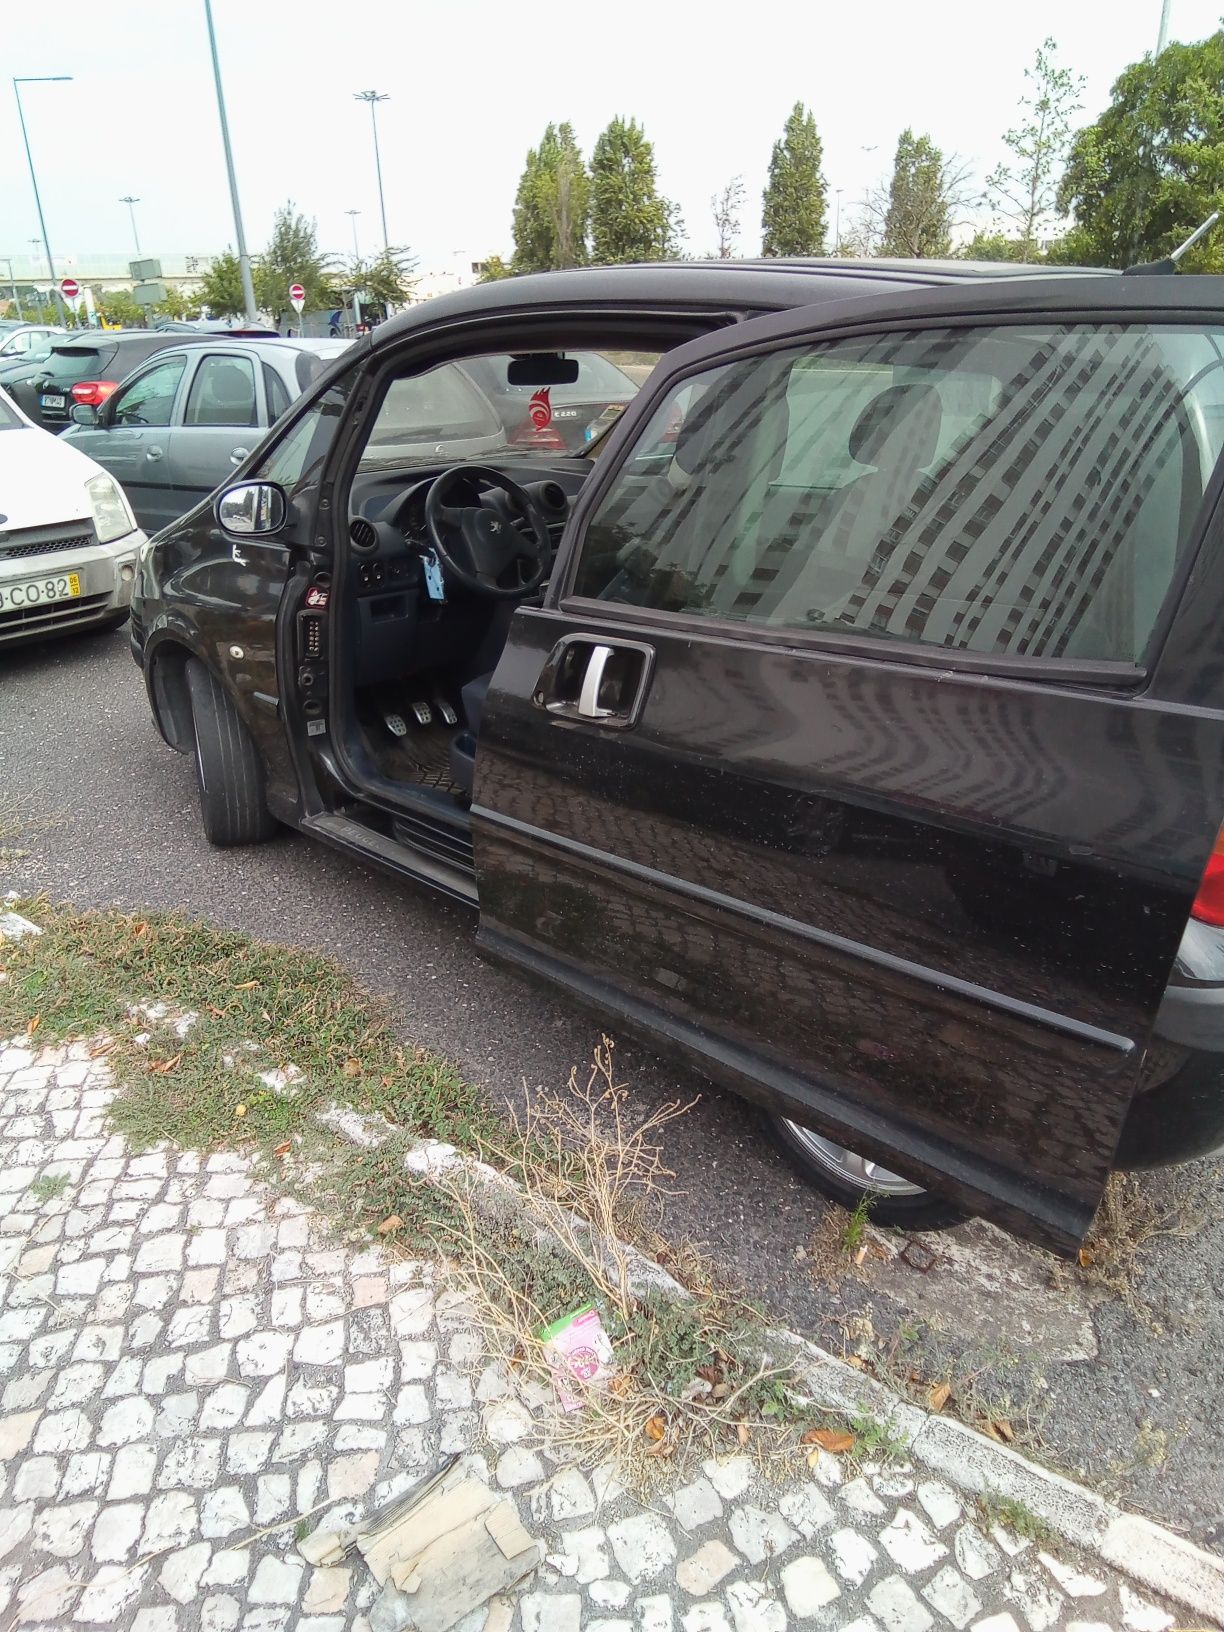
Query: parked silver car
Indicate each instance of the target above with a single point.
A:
(179, 424)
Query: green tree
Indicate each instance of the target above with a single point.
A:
(293, 256)
(793, 219)
(992, 245)
(494, 270)
(1025, 190)
(386, 280)
(553, 205)
(119, 306)
(917, 210)
(1151, 168)
(630, 219)
(176, 305)
(221, 290)
(726, 207)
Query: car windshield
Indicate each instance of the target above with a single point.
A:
(68, 363)
(436, 415)
(599, 379)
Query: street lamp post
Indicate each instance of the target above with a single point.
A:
(131, 204)
(837, 192)
(244, 260)
(13, 286)
(1162, 39)
(373, 98)
(352, 215)
(18, 82)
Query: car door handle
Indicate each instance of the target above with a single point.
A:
(238, 455)
(596, 680)
(153, 453)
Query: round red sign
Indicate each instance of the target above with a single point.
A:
(70, 288)
(296, 292)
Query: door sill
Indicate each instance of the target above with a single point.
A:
(421, 858)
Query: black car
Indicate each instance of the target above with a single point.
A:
(849, 722)
(84, 368)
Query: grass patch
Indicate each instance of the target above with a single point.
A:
(1014, 1516)
(855, 1229)
(191, 1016)
(1136, 1212)
(47, 1186)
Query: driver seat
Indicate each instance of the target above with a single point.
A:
(462, 750)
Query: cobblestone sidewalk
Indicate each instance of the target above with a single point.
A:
(187, 1358)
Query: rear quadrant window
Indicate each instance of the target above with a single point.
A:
(1016, 490)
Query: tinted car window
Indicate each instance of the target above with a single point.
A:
(277, 395)
(150, 399)
(1013, 490)
(296, 458)
(69, 363)
(435, 414)
(222, 392)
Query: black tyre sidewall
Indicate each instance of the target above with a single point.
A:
(922, 1212)
(229, 772)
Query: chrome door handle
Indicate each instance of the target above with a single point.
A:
(153, 453)
(588, 699)
(238, 455)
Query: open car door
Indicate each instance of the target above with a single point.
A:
(868, 748)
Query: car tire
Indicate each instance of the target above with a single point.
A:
(229, 771)
(897, 1203)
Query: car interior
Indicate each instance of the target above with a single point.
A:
(453, 524)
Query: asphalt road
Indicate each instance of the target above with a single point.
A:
(1131, 1402)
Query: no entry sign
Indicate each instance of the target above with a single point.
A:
(70, 289)
(297, 297)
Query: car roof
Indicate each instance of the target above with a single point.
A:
(760, 285)
(269, 346)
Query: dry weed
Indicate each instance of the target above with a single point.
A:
(1134, 1213)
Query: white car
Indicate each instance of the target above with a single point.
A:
(69, 542)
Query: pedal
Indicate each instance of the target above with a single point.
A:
(445, 712)
(395, 723)
(422, 713)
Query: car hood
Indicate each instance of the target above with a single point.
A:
(42, 479)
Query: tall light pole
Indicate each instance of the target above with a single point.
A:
(244, 260)
(1162, 38)
(352, 215)
(374, 98)
(131, 204)
(13, 286)
(837, 192)
(18, 82)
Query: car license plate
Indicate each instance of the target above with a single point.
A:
(39, 591)
(53, 402)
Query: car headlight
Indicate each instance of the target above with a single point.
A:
(112, 516)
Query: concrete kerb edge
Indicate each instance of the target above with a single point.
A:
(1149, 1555)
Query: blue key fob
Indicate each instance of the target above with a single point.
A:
(435, 586)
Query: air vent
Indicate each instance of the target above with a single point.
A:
(551, 497)
(363, 534)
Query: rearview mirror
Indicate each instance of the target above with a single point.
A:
(542, 368)
(83, 413)
(251, 508)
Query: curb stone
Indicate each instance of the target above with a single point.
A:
(1150, 1555)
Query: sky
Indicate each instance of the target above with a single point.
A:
(471, 86)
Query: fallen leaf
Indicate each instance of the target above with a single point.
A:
(857, 1361)
(239, 1110)
(1086, 1257)
(351, 1068)
(834, 1440)
(712, 1374)
(741, 1433)
(283, 1149)
(989, 1429)
(620, 1384)
(139, 930)
(246, 985)
(164, 1066)
(1004, 1430)
(939, 1396)
(216, 1013)
(99, 1049)
(388, 1225)
(656, 1428)
(661, 1448)
(34, 1025)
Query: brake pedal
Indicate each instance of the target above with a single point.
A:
(395, 723)
(445, 712)
(422, 713)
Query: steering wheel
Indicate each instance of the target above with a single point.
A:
(480, 549)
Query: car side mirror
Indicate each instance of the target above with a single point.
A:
(84, 413)
(251, 508)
